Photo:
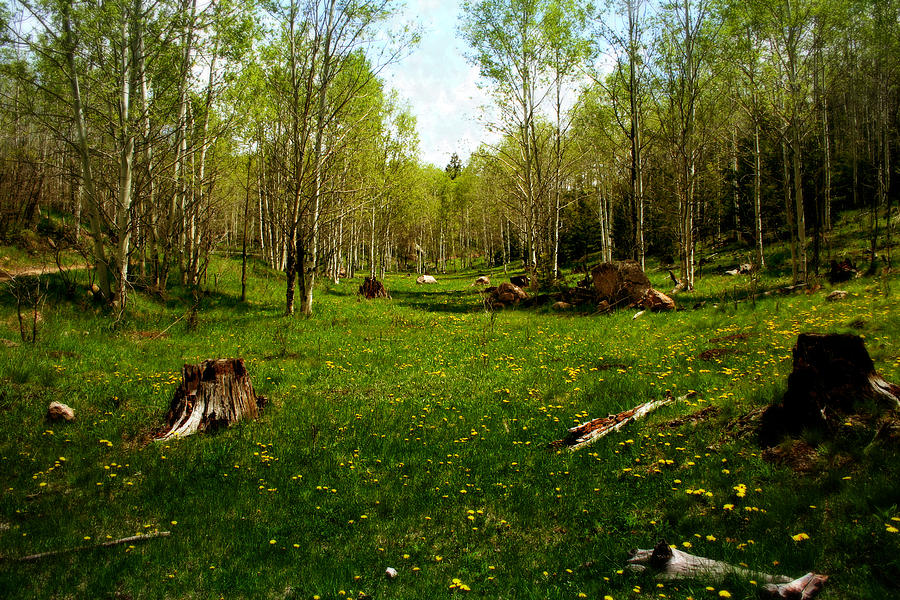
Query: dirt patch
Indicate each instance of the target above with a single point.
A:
(713, 353)
(607, 366)
(728, 338)
(797, 455)
(693, 418)
(148, 335)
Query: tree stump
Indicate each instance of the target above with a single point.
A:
(372, 288)
(842, 271)
(833, 375)
(620, 282)
(212, 394)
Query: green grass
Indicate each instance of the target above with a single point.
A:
(412, 433)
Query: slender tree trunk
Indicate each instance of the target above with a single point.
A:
(126, 168)
(244, 232)
(757, 196)
(101, 265)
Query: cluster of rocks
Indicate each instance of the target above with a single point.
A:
(615, 284)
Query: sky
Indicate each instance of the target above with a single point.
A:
(439, 85)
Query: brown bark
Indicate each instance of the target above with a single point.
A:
(372, 288)
(212, 394)
(591, 431)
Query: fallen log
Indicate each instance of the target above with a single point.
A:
(671, 563)
(591, 431)
(214, 393)
(125, 540)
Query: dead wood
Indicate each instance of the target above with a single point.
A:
(372, 288)
(212, 394)
(590, 431)
(833, 376)
(671, 563)
(126, 540)
(841, 271)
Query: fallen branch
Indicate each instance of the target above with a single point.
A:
(591, 431)
(672, 563)
(125, 540)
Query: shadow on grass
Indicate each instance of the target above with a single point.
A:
(455, 301)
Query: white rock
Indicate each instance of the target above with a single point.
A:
(60, 412)
(390, 572)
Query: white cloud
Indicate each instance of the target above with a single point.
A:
(440, 86)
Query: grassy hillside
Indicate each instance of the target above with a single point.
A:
(412, 433)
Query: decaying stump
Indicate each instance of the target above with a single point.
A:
(620, 282)
(833, 375)
(372, 288)
(504, 295)
(842, 271)
(212, 394)
(671, 563)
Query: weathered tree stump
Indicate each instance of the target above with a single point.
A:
(842, 271)
(620, 282)
(372, 288)
(833, 375)
(212, 394)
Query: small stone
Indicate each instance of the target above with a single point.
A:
(390, 572)
(836, 295)
(60, 412)
(425, 279)
(656, 301)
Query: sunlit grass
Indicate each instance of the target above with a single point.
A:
(412, 433)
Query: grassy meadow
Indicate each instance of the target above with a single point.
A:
(413, 433)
